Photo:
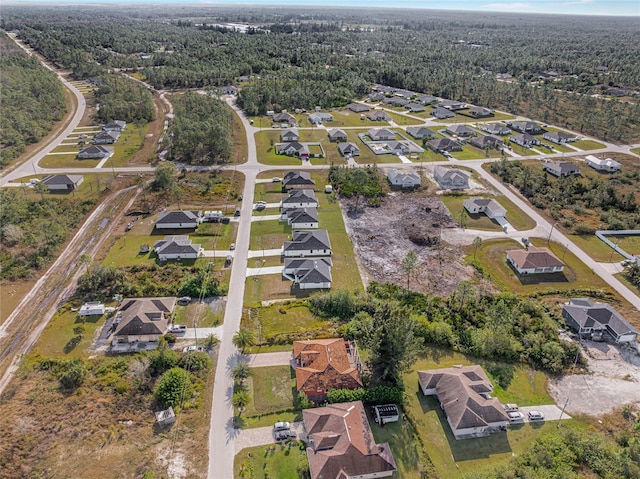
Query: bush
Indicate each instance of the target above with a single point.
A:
(196, 362)
(73, 375)
(173, 387)
(374, 395)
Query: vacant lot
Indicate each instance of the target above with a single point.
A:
(284, 461)
(272, 389)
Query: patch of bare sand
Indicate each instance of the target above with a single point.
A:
(611, 381)
(407, 221)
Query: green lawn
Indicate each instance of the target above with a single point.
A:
(453, 458)
(282, 461)
(596, 248)
(470, 152)
(403, 119)
(272, 389)
(631, 243)
(621, 277)
(265, 147)
(58, 337)
(515, 216)
(429, 155)
(202, 314)
(215, 235)
(128, 144)
(269, 234)
(636, 151)
(588, 145)
(350, 118)
(66, 161)
(93, 185)
(491, 256)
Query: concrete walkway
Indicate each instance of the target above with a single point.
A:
(404, 159)
(265, 218)
(264, 252)
(270, 359)
(265, 270)
(218, 253)
(201, 333)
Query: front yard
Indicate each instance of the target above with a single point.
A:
(480, 221)
(282, 461)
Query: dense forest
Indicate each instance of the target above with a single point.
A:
(31, 99)
(328, 57)
(123, 99)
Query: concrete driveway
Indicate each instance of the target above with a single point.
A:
(551, 412)
(265, 270)
(264, 252)
(261, 436)
(281, 358)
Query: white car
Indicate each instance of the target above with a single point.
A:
(232, 246)
(510, 407)
(178, 328)
(535, 416)
(515, 416)
(282, 426)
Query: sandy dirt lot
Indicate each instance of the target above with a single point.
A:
(612, 380)
(405, 222)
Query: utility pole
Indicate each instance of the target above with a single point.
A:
(562, 412)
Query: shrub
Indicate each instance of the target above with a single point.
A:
(173, 387)
(73, 375)
(196, 362)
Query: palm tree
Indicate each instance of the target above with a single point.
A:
(409, 263)
(243, 339)
(211, 342)
(85, 260)
(241, 371)
(240, 400)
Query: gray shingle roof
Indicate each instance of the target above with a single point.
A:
(308, 240)
(589, 314)
(168, 217)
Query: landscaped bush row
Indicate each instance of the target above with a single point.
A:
(374, 395)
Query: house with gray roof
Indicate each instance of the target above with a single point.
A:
(301, 218)
(307, 243)
(380, 134)
(376, 97)
(525, 127)
(404, 93)
(289, 136)
(561, 168)
(379, 115)
(357, 107)
(444, 144)
(415, 107)
(486, 141)
(294, 148)
(284, 117)
(488, 206)
(308, 273)
(178, 220)
(142, 320)
(348, 149)
(420, 132)
(480, 112)
(62, 183)
(337, 135)
(426, 99)
(495, 128)
(297, 198)
(297, 179)
(403, 179)
(451, 178)
(176, 247)
(597, 321)
(395, 101)
(452, 105)
(464, 394)
(525, 139)
(94, 152)
(460, 130)
(115, 125)
(559, 137)
(442, 113)
(106, 137)
(319, 118)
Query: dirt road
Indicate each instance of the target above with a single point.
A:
(23, 327)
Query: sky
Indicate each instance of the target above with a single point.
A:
(573, 7)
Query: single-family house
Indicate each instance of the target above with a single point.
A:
(300, 198)
(534, 261)
(341, 444)
(444, 144)
(415, 107)
(486, 141)
(559, 137)
(488, 206)
(464, 394)
(460, 130)
(284, 117)
(403, 179)
(318, 118)
(395, 101)
(323, 364)
(426, 99)
(115, 125)
(442, 113)
(294, 148)
(408, 94)
(337, 135)
(176, 247)
(142, 319)
(289, 135)
(525, 139)
(452, 105)
(296, 180)
(92, 308)
(380, 134)
(525, 127)
(451, 178)
(597, 321)
(308, 243)
(301, 218)
(420, 132)
(106, 137)
(480, 112)
(561, 168)
(348, 149)
(357, 107)
(178, 220)
(378, 115)
(95, 152)
(62, 182)
(308, 273)
(376, 97)
(600, 164)
(495, 129)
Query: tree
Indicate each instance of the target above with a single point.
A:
(41, 188)
(72, 376)
(477, 242)
(211, 341)
(240, 400)
(241, 371)
(173, 387)
(165, 179)
(409, 264)
(243, 339)
(85, 260)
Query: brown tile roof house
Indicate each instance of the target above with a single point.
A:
(463, 393)
(143, 319)
(323, 364)
(341, 444)
(534, 261)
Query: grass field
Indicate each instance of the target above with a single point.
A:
(272, 389)
(636, 151)
(453, 458)
(470, 152)
(588, 145)
(596, 248)
(282, 461)
(204, 315)
(66, 161)
(576, 274)
(93, 185)
(515, 216)
(631, 243)
(399, 119)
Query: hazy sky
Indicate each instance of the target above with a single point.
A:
(574, 7)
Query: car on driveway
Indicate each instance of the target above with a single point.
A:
(535, 416)
(276, 179)
(232, 246)
(260, 207)
(285, 435)
(178, 329)
(184, 300)
(515, 416)
(510, 407)
(282, 426)
(190, 349)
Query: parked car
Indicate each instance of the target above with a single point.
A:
(225, 220)
(282, 426)
(263, 203)
(237, 213)
(190, 349)
(227, 262)
(232, 246)
(535, 416)
(276, 179)
(178, 328)
(510, 407)
(184, 300)
(285, 435)
(515, 416)
(240, 197)
(128, 227)
(260, 207)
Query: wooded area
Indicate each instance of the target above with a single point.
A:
(31, 100)
(332, 59)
